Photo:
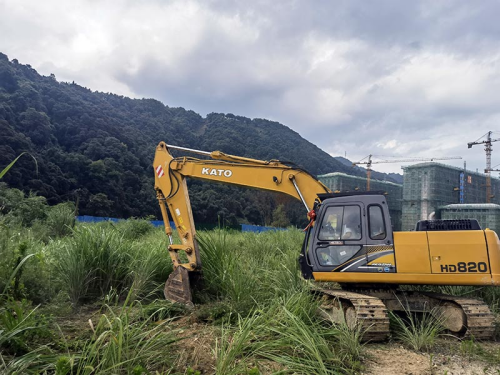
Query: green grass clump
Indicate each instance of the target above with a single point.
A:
(60, 220)
(120, 344)
(98, 258)
(417, 331)
(134, 228)
(124, 340)
(150, 265)
(289, 334)
(472, 349)
(93, 261)
(249, 269)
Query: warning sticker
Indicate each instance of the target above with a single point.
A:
(159, 171)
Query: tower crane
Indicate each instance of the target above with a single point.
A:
(488, 148)
(369, 163)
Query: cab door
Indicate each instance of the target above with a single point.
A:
(339, 238)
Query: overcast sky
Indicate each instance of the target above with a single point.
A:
(390, 78)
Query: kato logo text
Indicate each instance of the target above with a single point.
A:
(217, 172)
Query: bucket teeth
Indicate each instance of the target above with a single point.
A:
(177, 287)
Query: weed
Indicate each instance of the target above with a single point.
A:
(417, 332)
(190, 371)
(470, 349)
(134, 228)
(61, 219)
(92, 261)
(150, 265)
(288, 334)
(122, 344)
(233, 348)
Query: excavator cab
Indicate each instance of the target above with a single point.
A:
(352, 231)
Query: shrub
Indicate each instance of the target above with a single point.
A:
(61, 219)
(134, 228)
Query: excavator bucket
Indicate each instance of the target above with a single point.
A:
(178, 288)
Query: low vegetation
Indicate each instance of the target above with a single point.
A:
(88, 298)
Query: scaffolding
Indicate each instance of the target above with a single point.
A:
(344, 183)
(428, 186)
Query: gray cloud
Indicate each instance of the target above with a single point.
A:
(395, 78)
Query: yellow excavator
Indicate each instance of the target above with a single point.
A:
(349, 240)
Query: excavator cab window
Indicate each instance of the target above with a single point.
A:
(341, 223)
(376, 223)
(340, 235)
(336, 255)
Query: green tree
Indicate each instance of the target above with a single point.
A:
(280, 219)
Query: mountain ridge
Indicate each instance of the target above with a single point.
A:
(99, 147)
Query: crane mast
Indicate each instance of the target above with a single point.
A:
(488, 148)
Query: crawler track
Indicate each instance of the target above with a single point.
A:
(366, 311)
(464, 317)
(479, 320)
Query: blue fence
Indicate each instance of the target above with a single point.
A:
(98, 219)
(257, 228)
(159, 223)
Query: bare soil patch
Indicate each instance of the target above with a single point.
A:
(393, 359)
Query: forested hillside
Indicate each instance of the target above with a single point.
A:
(97, 148)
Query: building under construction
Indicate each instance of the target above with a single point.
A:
(341, 182)
(429, 186)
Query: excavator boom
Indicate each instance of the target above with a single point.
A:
(172, 193)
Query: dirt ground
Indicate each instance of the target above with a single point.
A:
(394, 359)
(196, 350)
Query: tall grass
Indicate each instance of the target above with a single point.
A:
(251, 281)
(417, 331)
(288, 334)
(124, 340)
(248, 269)
(19, 325)
(98, 258)
(60, 219)
(120, 344)
(150, 265)
(92, 261)
(134, 228)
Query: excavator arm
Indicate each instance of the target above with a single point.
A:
(172, 193)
